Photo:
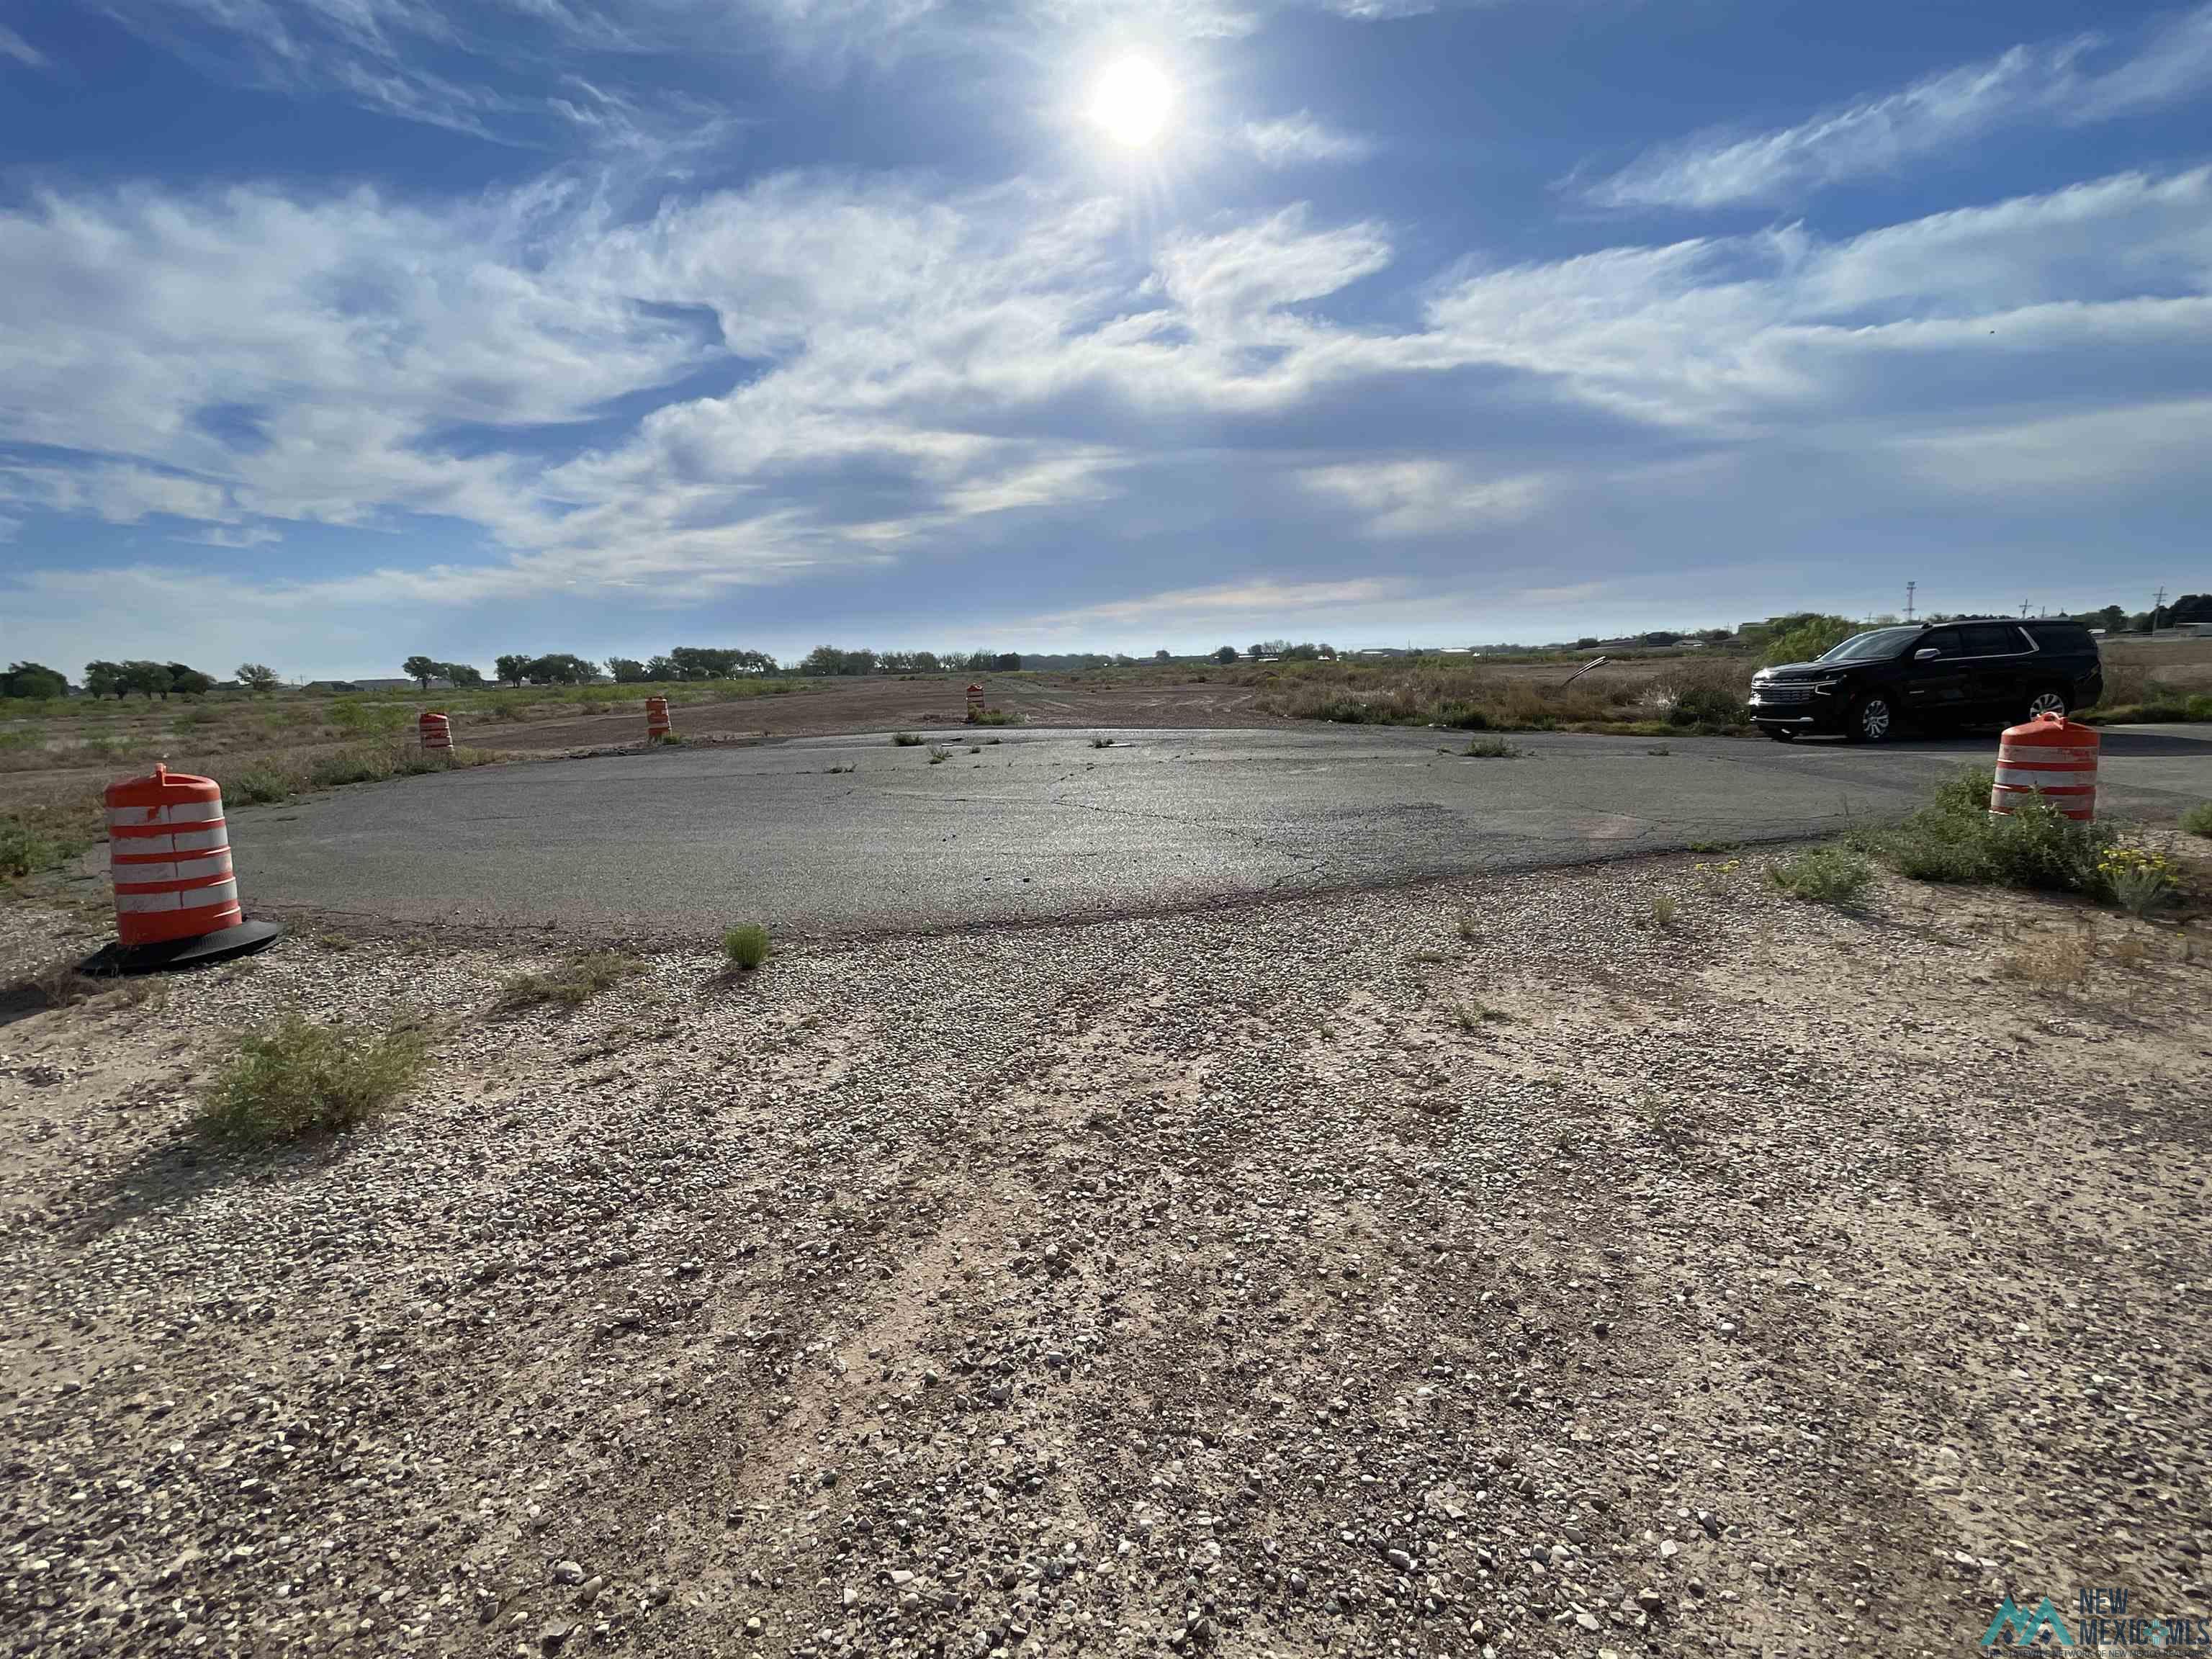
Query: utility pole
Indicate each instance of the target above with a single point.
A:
(1909, 586)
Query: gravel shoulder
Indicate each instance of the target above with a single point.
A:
(1321, 1277)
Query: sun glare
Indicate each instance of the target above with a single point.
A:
(1131, 102)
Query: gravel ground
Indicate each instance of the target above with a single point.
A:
(1318, 1278)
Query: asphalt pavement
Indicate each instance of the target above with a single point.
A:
(679, 843)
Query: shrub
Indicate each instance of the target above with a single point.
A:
(2198, 820)
(2137, 879)
(907, 739)
(574, 984)
(747, 947)
(296, 1078)
(1954, 839)
(1827, 875)
(23, 849)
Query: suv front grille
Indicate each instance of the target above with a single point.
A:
(1784, 692)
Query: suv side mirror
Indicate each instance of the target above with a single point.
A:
(1925, 653)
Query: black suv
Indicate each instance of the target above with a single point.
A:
(1981, 668)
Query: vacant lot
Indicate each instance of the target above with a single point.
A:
(1530, 1265)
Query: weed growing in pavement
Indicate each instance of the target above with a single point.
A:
(1827, 875)
(296, 1078)
(2198, 820)
(1491, 748)
(747, 946)
(939, 754)
(573, 984)
(907, 739)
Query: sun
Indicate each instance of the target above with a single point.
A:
(1131, 101)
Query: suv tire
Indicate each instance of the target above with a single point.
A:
(1873, 718)
(2049, 696)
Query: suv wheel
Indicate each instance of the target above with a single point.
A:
(2048, 701)
(1873, 718)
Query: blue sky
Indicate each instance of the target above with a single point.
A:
(339, 330)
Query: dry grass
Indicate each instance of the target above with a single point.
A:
(297, 1078)
(1685, 693)
(2052, 963)
(572, 985)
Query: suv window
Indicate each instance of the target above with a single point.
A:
(1944, 642)
(2062, 636)
(1994, 640)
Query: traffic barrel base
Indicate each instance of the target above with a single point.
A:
(117, 959)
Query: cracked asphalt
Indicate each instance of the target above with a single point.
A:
(1041, 825)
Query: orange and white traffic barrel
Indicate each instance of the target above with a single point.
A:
(2051, 757)
(437, 732)
(176, 893)
(975, 703)
(656, 718)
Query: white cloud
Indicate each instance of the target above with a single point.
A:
(14, 45)
(1426, 496)
(1296, 139)
(1945, 112)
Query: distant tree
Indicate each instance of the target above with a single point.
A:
(151, 678)
(32, 679)
(627, 671)
(188, 682)
(1226, 655)
(560, 668)
(257, 677)
(461, 673)
(421, 670)
(105, 679)
(512, 669)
